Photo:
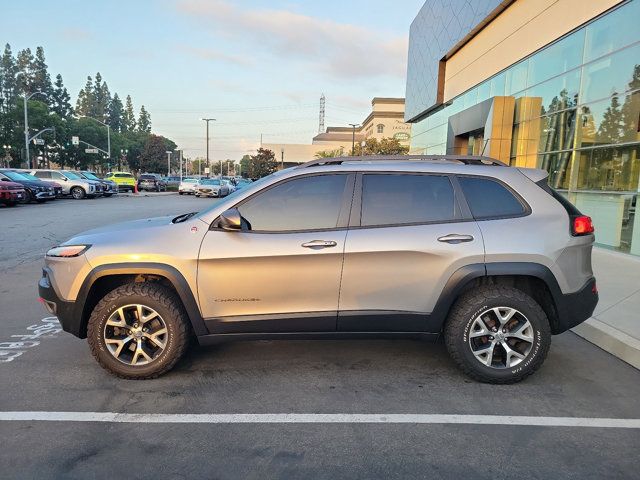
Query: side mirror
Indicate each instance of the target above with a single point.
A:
(230, 220)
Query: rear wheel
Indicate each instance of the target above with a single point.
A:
(497, 334)
(78, 193)
(138, 331)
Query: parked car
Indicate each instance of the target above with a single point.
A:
(172, 181)
(468, 249)
(11, 193)
(243, 182)
(151, 182)
(57, 189)
(229, 184)
(109, 187)
(211, 187)
(187, 186)
(35, 189)
(72, 183)
(124, 180)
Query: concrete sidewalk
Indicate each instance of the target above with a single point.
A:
(615, 325)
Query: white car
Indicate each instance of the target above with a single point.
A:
(188, 186)
(229, 184)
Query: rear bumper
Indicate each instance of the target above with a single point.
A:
(575, 308)
(68, 313)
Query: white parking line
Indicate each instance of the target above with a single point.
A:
(403, 418)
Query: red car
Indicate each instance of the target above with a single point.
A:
(11, 193)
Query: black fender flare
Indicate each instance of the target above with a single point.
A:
(172, 274)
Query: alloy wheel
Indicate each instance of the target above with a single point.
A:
(135, 334)
(501, 337)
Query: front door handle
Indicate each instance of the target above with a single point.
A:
(316, 244)
(455, 238)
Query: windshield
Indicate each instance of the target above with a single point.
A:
(148, 177)
(89, 175)
(190, 180)
(71, 175)
(18, 176)
(210, 182)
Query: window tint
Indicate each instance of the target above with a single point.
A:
(124, 175)
(401, 199)
(43, 174)
(488, 198)
(308, 203)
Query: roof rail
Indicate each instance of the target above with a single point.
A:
(463, 159)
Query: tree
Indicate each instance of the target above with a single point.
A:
(339, 152)
(129, 117)
(25, 68)
(41, 77)
(101, 98)
(8, 80)
(154, 154)
(261, 164)
(144, 121)
(631, 109)
(85, 101)
(61, 99)
(611, 129)
(115, 114)
(386, 146)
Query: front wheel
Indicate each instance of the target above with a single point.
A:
(78, 193)
(497, 334)
(138, 331)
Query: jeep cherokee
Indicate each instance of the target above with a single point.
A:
(486, 256)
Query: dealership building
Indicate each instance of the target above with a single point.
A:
(552, 84)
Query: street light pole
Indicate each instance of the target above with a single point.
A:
(108, 133)
(353, 138)
(281, 158)
(208, 120)
(26, 125)
(168, 162)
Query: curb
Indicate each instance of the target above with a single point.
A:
(612, 340)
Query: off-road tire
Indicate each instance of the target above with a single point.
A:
(460, 321)
(78, 193)
(162, 300)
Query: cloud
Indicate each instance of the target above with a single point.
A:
(340, 49)
(214, 55)
(74, 34)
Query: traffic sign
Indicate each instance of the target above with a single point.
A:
(38, 141)
(207, 170)
(90, 150)
(75, 140)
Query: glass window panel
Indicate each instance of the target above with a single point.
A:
(516, 78)
(489, 199)
(610, 169)
(557, 58)
(406, 199)
(497, 85)
(307, 203)
(557, 131)
(615, 30)
(610, 121)
(556, 94)
(559, 167)
(484, 91)
(614, 74)
(471, 98)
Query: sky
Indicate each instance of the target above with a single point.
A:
(258, 67)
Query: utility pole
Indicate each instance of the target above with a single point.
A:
(168, 162)
(26, 125)
(321, 123)
(207, 120)
(353, 139)
(180, 159)
(281, 158)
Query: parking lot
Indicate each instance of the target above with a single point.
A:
(287, 409)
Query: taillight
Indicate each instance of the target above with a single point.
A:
(582, 225)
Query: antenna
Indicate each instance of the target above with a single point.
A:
(485, 146)
(321, 123)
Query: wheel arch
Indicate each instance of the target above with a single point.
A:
(105, 278)
(534, 279)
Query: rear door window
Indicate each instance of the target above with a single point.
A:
(488, 198)
(401, 199)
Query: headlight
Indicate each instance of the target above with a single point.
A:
(67, 250)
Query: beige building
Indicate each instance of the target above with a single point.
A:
(386, 120)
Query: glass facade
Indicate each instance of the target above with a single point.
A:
(576, 113)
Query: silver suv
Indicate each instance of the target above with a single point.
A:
(467, 249)
(72, 183)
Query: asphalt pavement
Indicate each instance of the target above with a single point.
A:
(223, 398)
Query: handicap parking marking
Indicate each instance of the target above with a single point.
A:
(319, 418)
(19, 344)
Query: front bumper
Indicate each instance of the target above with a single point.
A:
(69, 313)
(48, 195)
(575, 308)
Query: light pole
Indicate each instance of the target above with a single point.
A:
(108, 133)
(7, 148)
(281, 158)
(180, 160)
(168, 162)
(353, 138)
(123, 154)
(207, 120)
(26, 124)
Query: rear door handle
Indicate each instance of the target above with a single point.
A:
(455, 238)
(319, 244)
